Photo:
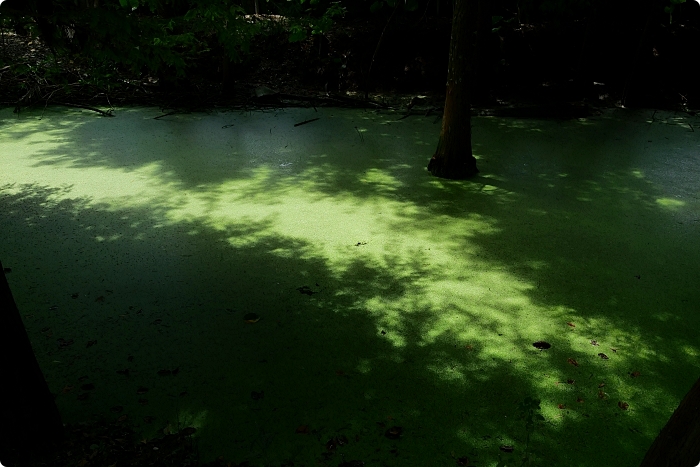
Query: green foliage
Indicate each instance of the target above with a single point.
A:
(671, 7)
(310, 22)
(527, 411)
(408, 5)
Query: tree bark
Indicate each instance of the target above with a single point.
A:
(29, 420)
(678, 444)
(453, 157)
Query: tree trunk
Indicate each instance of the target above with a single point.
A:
(678, 444)
(29, 420)
(453, 157)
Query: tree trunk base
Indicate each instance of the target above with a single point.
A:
(460, 171)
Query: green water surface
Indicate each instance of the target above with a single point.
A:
(385, 297)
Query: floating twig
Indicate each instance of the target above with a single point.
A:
(362, 138)
(306, 121)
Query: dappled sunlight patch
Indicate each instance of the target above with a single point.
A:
(188, 418)
(670, 203)
(383, 181)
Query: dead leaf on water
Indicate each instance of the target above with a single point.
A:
(623, 405)
(251, 318)
(603, 356)
(572, 361)
(571, 324)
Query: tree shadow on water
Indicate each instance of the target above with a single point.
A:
(422, 318)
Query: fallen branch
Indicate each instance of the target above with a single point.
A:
(107, 113)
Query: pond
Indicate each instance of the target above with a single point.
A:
(277, 286)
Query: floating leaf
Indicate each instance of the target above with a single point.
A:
(603, 356)
(507, 448)
(601, 385)
(542, 345)
(561, 406)
(623, 405)
(572, 361)
(251, 318)
(602, 395)
(571, 324)
(333, 443)
(594, 342)
(306, 290)
(613, 349)
(394, 432)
